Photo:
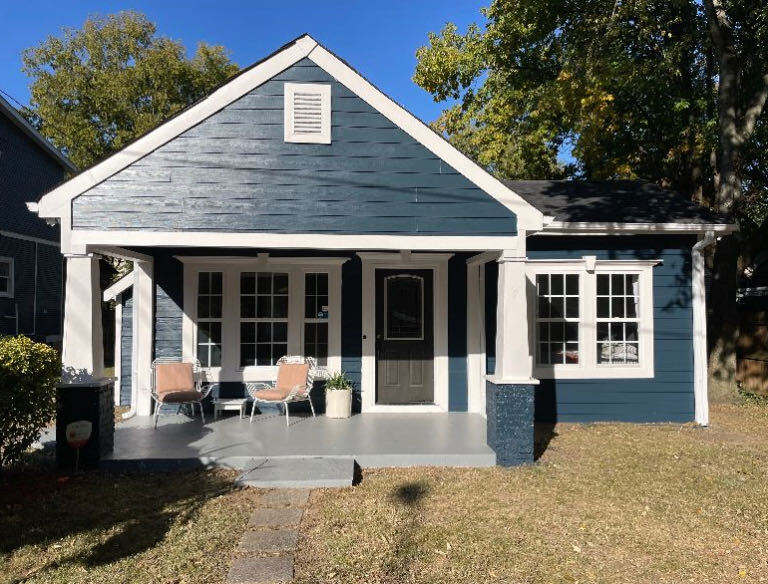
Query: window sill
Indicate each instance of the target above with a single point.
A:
(576, 372)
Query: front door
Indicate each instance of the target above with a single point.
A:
(404, 337)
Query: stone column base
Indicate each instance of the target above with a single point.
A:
(509, 409)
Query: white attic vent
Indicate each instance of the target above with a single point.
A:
(308, 113)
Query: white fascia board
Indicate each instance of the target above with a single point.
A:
(119, 287)
(528, 217)
(23, 237)
(55, 203)
(589, 228)
(95, 239)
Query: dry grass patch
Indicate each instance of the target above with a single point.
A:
(161, 528)
(606, 503)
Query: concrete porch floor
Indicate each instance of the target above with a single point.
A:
(371, 440)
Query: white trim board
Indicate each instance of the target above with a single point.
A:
(56, 202)
(594, 228)
(82, 239)
(438, 263)
(119, 287)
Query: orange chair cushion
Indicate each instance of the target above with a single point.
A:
(174, 377)
(289, 375)
(178, 397)
(271, 394)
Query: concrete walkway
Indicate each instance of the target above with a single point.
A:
(267, 548)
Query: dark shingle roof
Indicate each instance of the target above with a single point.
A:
(611, 202)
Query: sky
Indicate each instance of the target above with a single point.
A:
(377, 37)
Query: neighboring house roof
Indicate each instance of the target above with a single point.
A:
(56, 202)
(13, 114)
(29, 166)
(615, 203)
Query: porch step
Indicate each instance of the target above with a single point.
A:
(299, 472)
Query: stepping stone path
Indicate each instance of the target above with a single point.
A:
(265, 554)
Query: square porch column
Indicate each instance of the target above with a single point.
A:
(510, 391)
(143, 329)
(82, 340)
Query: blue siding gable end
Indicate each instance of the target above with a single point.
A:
(235, 172)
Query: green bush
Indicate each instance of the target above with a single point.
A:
(29, 372)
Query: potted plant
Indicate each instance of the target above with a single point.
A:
(338, 395)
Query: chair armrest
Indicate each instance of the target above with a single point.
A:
(252, 387)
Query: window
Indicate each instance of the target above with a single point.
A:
(307, 109)
(618, 322)
(404, 307)
(241, 314)
(209, 318)
(263, 317)
(316, 317)
(6, 277)
(557, 318)
(593, 318)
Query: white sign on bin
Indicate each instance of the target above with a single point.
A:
(78, 433)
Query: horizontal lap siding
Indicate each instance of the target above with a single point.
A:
(668, 396)
(234, 172)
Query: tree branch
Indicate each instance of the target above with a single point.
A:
(719, 24)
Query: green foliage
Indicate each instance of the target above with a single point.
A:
(338, 381)
(28, 374)
(97, 88)
(631, 86)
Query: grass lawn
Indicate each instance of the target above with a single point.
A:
(159, 529)
(606, 503)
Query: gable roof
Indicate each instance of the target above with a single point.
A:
(606, 203)
(56, 202)
(18, 120)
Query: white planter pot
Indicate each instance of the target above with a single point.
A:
(338, 403)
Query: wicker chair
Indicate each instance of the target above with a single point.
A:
(295, 376)
(177, 382)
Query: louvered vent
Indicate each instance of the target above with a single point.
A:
(308, 113)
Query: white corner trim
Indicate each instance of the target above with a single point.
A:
(438, 263)
(118, 351)
(528, 217)
(699, 302)
(50, 205)
(119, 287)
(81, 238)
(597, 228)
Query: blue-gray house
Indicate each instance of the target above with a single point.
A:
(30, 260)
(299, 210)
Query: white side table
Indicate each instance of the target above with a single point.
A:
(237, 404)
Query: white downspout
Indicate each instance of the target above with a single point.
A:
(698, 297)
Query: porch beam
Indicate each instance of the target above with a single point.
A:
(82, 343)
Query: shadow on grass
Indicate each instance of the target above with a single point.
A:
(543, 434)
(134, 512)
(405, 546)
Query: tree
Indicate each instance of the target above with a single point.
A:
(670, 91)
(96, 88)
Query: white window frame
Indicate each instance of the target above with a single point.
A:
(324, 92)
(316, 320)
(231, 267)
(588, 368)
(11, 280)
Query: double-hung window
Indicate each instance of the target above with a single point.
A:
(593, 318)
(209, 317)
(6, 277)
(263, 317)
(242, 314)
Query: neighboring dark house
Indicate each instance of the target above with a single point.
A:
(30, 260)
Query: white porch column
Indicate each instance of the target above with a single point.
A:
(143, 317)
(82, 344)
(514, 363)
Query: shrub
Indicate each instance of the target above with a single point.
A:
(29, 372)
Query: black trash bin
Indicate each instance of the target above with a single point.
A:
(77, 406)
